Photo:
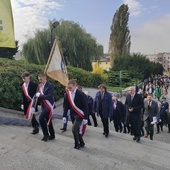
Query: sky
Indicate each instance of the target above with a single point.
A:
(149, 20)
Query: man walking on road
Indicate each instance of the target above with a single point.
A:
(103, 105)
(134, 105)
(28, 91)
(45, 95)
(150, 115)
(76, 102)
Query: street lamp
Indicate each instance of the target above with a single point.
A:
(53, 25)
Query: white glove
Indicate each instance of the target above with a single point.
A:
(37, 94)
(22, 107)
(85, 121)
(39, 107)
(64, 120)
(32, 110)
(154, 120)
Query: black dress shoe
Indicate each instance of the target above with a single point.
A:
(77, 147)
(82, 144)
(95, 125)
(51, 138)
(35, 131)
(137, 139)
(134, 138)
(63, 129)
(106, 135)
(45, 138)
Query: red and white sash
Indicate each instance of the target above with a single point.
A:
(47, 104)
(25, 91)
(50, 107)
(82, 129)
(74, 107)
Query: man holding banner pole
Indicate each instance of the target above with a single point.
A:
(77, 103)
(45, 96)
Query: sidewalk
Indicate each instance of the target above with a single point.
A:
(21, 150)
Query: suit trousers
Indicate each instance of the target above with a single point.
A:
(34, 122)
(43, 119)
(148, 127)
(75, 130)
(105, 122)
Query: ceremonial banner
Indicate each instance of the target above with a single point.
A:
(56, 68)
(6, 25)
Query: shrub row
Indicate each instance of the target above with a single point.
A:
(10, 80)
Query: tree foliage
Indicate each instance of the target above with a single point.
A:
(120, 39)
(8, 52)
(36, 50)
(137, 66)
(78, 47)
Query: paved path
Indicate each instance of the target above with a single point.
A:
(20, 150)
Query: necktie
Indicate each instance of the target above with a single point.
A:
(149, 103)
(102, 95)
(131, 97)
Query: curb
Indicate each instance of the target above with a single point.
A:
(18, 118)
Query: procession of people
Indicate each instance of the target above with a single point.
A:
(142, 110)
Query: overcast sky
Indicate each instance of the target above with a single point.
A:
(149, 20)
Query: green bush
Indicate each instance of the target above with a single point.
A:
(85, 78)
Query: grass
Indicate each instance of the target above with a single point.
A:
(114, 89)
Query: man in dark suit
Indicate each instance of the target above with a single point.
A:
(134, 104)
(77, 103)
(45, 96)
(103, 105)
(90, 102)
(118, 114)
(28, 91)
(151, 112)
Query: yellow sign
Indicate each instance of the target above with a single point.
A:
(6, 25)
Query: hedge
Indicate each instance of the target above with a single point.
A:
(10, 80)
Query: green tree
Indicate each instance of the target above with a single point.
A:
(8, 52)
(77, 46)
(36, 50)
(137, 66)
(120, 39)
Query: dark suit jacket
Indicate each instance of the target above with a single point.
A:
(32, 87)
(119, 110)
(137, 105)
(80, 101)
(48, 94)
(150, 111)
(107, 104)
(90, 105)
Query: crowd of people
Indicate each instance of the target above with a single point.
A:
(143, 108)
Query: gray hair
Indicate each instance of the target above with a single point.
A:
(132, 88)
